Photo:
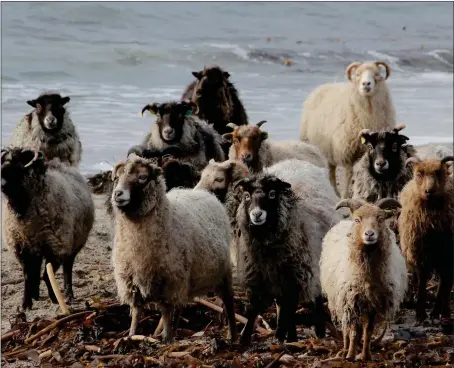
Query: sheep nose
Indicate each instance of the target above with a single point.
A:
(380, 163)
(366, 84)
(246, 157)
(257, 214)
(168, 130)
(369, 233)
(118, 193)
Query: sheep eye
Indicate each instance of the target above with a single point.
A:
(272, 194)
(418, 175)
(394, 148)
(142, 178)
(219, 180)
(357, 221)
(247, 196)
(370, 146)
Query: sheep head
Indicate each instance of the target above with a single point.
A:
(211, 84)
(50, 110)
(367, 77)
(385, 151)
(138, 185)
(430, 176)
(369, 219)
(158, 156)
(263, 198)
(19, 164)
(179, 174)
(170, 118)
(216, 177)
(247, 140)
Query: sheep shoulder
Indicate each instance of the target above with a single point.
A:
(283, 150)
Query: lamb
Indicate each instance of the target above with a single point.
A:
(426, 228)
(250, 146)
(48, 213)
(381, 172)
(168, 248)
(279, 246)
(49, 129)
(176, 125)
(335, 113)
(216, 99)
(362, 272)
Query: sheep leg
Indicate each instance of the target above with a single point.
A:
(368, 329)
(332, 178)
(354, 337)
(282, 320)
(348, 180)
(319, 318)
(136, 311)
(346, 338)
(291, 322)
(55, 267)
(251, 315)
(31, 265)
(443, 295)
(421, 302)
(229, 305)
(68, 278)
(168, 332)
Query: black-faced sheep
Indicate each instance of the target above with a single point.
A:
(426, 228)
(335, 113)
(362, 272)
(381, 172)
(250, 145)
(168, 248)
(49, 129)
(216, 99)
(48, 213)
(177, 126)
(279, 246)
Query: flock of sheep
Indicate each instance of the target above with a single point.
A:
(208, 200)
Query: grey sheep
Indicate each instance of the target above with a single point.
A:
(49, 129)
(168, 248)
(177, 126)
(48, 213)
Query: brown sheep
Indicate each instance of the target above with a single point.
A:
(426, 228)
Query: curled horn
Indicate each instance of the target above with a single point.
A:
(413, 160)
(232, 125)
(387, 68)
(350, 68)
(35, 157)
(3, 152)
(447, 159)
(365, 131)
(353, 204)
(146, 108)
(260, 123)
(386, 203)
(398, 128)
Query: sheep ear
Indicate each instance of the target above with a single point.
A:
(198, 75)
(226, 75)
(264, 135)
(64, 100)
(231, 125)
(403, 139)
(117, 170)
(156, 170)
(211, 162)
(387, 203)
(240, 184)
(352, 204)
(389, 213)
(153, 109)
(447, 159)
(412, 160)
(365, 135)
(228, 137)
(32, 103)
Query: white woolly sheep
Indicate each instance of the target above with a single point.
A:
(362, 272)
(283, 219)
(49, 129)
(177, 126)
(48, 213)
(426, 229)
(168, 248)
(335, 113)
(250, 145)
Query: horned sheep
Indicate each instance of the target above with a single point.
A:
(49, 129)
(168, 248)
(334, 114)
(177, 126)
(279, 247)
(362, 272)
(426, 228)
(48, 213)
(250, 145)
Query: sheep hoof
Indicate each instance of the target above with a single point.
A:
(364, 357)
(27, 304)
(69, 296)
(341, 354)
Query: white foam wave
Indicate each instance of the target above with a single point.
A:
(385, 57)
(436, 54)
(237, 50)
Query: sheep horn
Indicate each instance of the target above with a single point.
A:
(398, 128)
(35, 157)
(412, 159)
(351, 203)
(386, 203)
(260, 123)
(232, 125)
(350, 69)
(447, 159)
(387, 68)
